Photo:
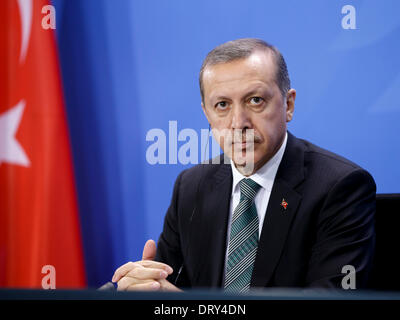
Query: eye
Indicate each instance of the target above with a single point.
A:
(221, 105)
(256, 101)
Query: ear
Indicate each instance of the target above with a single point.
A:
(290, 98)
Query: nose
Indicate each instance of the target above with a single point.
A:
(240, 118)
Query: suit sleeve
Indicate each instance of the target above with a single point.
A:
(345, 233)
(168, 246)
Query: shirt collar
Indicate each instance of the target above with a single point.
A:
(264, 176)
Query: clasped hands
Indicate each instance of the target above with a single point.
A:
(146, 274)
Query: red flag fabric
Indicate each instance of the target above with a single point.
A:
(39, 224)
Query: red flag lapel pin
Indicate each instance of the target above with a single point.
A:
(284, 204)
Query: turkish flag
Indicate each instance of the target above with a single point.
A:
(39, 223)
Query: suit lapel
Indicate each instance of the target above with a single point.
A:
(278, 218)
(211, 226)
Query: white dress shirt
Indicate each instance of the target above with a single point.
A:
(265, 177)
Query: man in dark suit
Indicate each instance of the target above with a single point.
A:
(276, 210)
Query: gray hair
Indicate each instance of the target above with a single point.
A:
(243, 48)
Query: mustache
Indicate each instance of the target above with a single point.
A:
(240, 136)
(254, 139)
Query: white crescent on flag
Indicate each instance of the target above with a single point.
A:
(25, 10)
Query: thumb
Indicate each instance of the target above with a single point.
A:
(149, 250)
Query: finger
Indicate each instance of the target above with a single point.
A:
(124, 269)
(124, 283)
(148, 286)
(127, 283)
(129, 266)
(156, 265)
(149, 250)
(168, 286)
(147, 273)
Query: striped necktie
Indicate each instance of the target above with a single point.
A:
(243, 239)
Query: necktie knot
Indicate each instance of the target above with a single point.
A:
(248, 188)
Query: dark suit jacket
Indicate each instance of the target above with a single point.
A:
(328, 223)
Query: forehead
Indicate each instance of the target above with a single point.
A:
(259, 68)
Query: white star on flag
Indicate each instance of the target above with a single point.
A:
(11, 150)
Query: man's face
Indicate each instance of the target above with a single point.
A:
(245, 108)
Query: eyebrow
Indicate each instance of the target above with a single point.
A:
(220, 98)
(251, 92)
(265, 91)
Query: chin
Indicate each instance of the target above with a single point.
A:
(245, 163)
(246, 169)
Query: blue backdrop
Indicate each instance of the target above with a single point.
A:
(131, 66)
